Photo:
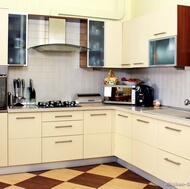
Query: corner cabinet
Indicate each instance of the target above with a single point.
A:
(4, 36)
(17, 40)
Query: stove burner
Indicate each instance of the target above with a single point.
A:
(57, 104)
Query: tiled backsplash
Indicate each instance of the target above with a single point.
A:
(58, 75)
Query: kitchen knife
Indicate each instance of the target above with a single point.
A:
(23, 88)
(14, 86)
(19, 88)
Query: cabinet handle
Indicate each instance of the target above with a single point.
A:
(171, 161)
(161, 33)
(122, 115)
(98, 114)
(138, 63)
(25, 118)
(63, 116)
(125, 64)
(63, 141)
(173, 129)
(65, 126)
(140, 120)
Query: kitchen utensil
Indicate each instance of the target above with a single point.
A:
(19, 88)
(32, 93)
(14, 86)
(23, 88)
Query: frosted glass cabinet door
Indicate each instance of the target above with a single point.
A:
(17, 37)
(96, 43)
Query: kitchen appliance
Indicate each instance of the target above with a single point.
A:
(3, 87)
(144, 96)
(162, 51)
(58, 104)
(86, 98)
(119, 94)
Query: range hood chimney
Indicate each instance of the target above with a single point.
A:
(57, 36)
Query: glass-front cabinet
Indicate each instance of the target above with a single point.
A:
(96, 43)
(17, 40)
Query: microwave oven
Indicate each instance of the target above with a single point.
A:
(162, 51)
(119, 94)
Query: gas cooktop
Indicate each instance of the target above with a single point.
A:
(58, 104)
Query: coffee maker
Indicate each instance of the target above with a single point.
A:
(144, 96)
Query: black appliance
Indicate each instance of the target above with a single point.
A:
(3, 87)
(144, 96)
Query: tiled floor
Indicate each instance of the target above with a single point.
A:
(104, 176)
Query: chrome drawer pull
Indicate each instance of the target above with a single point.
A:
(140, 120)
(161, 33)
(65, 126)
(64, 141)
(173, 129)
(122, 115)
(171, 161)
(63, 116)
(125, 64)
(138, 63)
(98, 114)
(25, 118)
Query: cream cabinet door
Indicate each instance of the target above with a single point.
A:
(4, 36)
(3, 139)
(145, 130)
(113, 44)
(97, 133)
(174, 138)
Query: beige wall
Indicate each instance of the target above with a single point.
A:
(140, 7)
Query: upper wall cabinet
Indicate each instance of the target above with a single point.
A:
(17, 40)
(3, 36)
(105, 43)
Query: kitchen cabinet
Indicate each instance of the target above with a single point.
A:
(24, 138)
(144, 143)
(105, 42)
(4, 36)
(62, 136)
(174, 152)
(97, 133)
(122, 135)
(17, 39)
(3, 139)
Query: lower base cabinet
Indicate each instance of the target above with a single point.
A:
(173, 169)
(24, 151)
(62, 148)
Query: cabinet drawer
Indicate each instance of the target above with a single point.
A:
(97, 121)
(62, 116)
(62, 128)
(173, 169)
(145, 130)
(24, 125)
(24, 151)
(62, 148)
(174, 138)
(123, 123)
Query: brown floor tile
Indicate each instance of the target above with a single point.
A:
(131, 176)
(84, 168)
(67, 185)
(14, 187)
(114, 164)
(152, 187)
(90, 180)
(39, 182)
(38, 172)
(3, 185)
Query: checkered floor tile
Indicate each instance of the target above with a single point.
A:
(104, 176)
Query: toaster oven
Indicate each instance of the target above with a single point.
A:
(119, 94)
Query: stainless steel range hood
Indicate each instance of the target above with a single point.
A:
(57, 39)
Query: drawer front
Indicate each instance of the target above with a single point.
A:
(97, 121)
(123, 123)
(62, 148)
(62, 128)
(174, 138)
(24, 125)
(24, 151)
(145, 130)
(173, 169)
(62, 116)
